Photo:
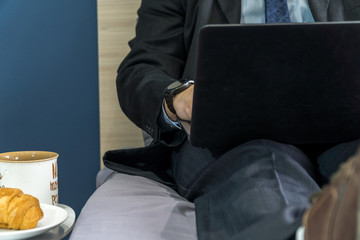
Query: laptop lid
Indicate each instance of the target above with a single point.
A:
(292, 83)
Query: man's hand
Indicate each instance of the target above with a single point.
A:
(183, 105)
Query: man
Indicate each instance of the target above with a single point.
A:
(257, 190)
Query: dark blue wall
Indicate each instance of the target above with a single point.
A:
(49, 87)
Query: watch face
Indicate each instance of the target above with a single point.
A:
(174, 85)
(177, 87)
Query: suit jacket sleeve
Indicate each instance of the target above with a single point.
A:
(156, 59)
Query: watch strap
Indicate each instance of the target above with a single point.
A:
(170, 93)
(169, 99)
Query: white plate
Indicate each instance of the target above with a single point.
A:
(53, 216)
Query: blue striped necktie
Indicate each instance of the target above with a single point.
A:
(276, 11)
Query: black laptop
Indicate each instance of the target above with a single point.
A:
(292, 83)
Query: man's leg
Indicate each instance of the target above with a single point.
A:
(258, 190)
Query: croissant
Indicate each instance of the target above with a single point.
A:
(18, 210)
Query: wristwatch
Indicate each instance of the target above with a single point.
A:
(173, 89)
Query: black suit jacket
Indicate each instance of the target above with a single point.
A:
(165, 46)
(164, 50)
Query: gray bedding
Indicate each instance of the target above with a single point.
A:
(132, 207)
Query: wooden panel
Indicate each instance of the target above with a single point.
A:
(116, 26)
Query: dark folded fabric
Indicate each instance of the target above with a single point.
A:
(151, 161)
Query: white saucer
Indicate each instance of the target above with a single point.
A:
(53, 216)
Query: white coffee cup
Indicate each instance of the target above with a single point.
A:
(33, 172)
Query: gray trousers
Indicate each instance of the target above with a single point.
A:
(257, 190)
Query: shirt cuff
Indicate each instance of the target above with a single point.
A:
(165, 123)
